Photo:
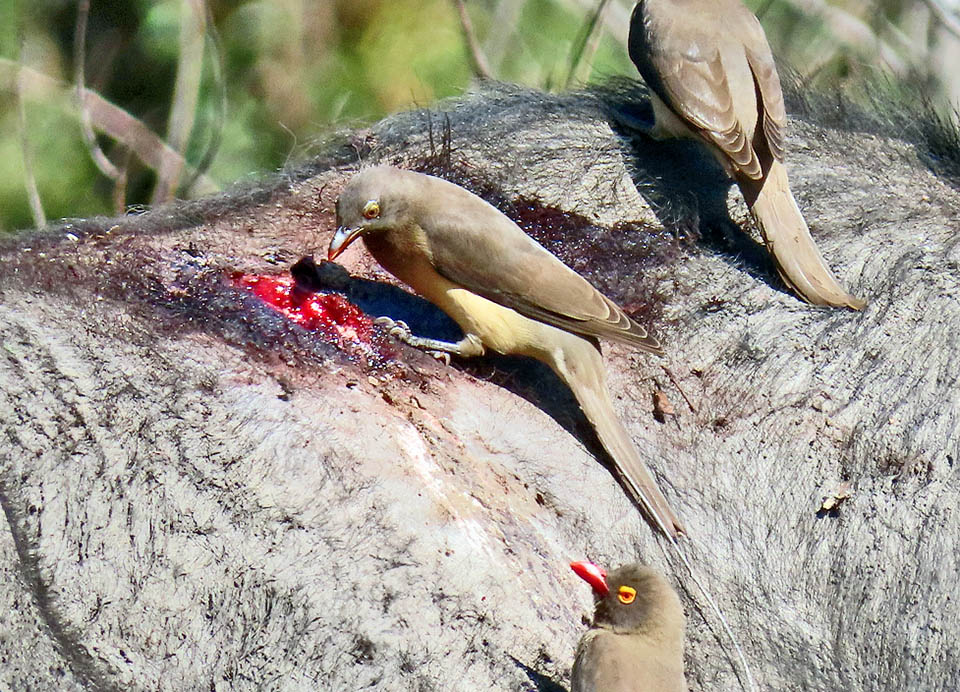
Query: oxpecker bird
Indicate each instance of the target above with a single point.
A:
(636, 641)
(712, 76)
(505, 291)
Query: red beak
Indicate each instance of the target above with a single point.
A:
(595, 576)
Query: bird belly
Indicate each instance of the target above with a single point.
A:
(499, 328)
(666, 122)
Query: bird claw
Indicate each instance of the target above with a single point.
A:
(395, 328)
(399, 330)
(402, 332)
(390, 324)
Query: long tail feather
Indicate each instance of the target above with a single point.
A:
(799, 262)
(582, 370)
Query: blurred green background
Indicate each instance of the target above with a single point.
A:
(260, 79)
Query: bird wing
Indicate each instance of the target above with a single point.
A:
(487, 253)
(584, 673)
(771, 96)
(679, 58)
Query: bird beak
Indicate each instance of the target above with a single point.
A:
(341, 240)
(593, 575)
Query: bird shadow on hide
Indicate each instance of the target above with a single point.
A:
(541, 682)
(685, 186)
(524, 377)
(376, 299)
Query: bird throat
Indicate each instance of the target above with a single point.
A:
(404, 253)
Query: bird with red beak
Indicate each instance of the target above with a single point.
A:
(636, 641)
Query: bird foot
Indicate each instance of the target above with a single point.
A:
(396, 328)
(399, 330)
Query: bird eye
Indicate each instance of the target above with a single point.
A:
(626, 595)
(371, 209)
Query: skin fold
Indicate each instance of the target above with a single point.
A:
(712, 77)
(505, 291)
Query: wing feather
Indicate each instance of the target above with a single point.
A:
(528, 279)
(764, 69)
(680, 61)
(771, 96)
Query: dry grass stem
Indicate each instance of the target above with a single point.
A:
(581, 57)
(99, 157)
(186, 95)
(105, 117)
(949, 20)
(505, 18)
(219, 117)
(478, 60)
(30, 180)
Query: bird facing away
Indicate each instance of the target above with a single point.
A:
(712, 76)
(505, 291)
(636, 641)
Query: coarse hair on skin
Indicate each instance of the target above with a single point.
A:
(124, 336)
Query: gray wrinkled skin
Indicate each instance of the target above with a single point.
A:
(198, 495)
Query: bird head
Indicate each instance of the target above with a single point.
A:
(375, 200)
(632, 598)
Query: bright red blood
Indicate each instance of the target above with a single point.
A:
(329, 313)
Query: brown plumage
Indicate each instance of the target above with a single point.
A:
(505, 291)
(636, 641)
(713, 77)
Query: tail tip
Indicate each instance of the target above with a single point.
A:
(855, 303)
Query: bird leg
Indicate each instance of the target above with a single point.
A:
(468, 347)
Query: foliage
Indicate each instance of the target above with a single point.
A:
(291, 70)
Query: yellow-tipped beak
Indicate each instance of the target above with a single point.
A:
(341, 241)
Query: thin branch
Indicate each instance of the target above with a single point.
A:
(105, 117)
(186, 95)
(586, 46)
(101, 160)
(950, 22)
(30, 181)
(220, 115)
(120, 186)
(481, 67)
(504, 21)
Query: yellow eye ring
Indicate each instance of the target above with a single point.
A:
(626, 595)
(371, 209)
